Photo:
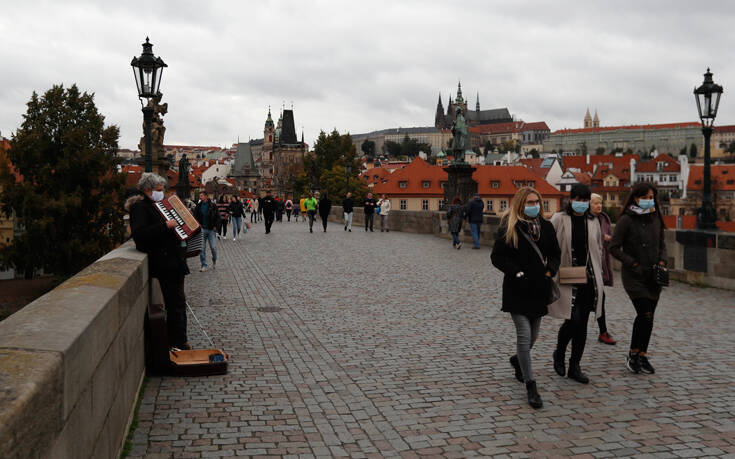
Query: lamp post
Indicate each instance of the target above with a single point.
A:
(708, 100)
(348, 172)
(147, 70)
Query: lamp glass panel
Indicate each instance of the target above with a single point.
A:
(138, 78)
(715, 103)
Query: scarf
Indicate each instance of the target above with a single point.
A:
(534, 228)
(640, 211)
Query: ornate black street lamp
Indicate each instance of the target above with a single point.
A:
(348, 172)
(708, 100)
(147, 70)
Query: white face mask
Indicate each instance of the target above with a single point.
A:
(157, 196)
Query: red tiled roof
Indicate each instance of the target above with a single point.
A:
(724, 129)
(375, 175)
(621, 172)
(505, 176)
(414, 175)
(536, 126)
(723, 177)
(690, 222)
(651, 166)
(583, 177)
(499, 128)
(631, 127)
(580, 162)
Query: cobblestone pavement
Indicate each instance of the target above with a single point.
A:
(393, 344)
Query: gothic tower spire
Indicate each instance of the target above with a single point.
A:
(439, 120)
(587, 119)
(477, 104)
(596, 120)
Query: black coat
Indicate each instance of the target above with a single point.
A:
(474, 210)
(212, 215)
(236, 209)
(166, 256)
(527, 295)
(369, 206)
(347, 205)
(639, 239)
(325, 206)
(268, 204)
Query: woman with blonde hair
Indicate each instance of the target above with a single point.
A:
(527, 252)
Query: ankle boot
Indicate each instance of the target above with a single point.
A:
(575, 373)
(534, 399)
(559, 366)
(517, 367)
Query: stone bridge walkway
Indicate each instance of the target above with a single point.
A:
(392, 344)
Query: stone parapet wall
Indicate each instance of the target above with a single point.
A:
(716, 251)
(71, 363)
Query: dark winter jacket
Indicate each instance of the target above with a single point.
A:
(474, 210)
(639, 240)
(607, 269)
(527, 295)
(212, 215)
(347, 204)
(369, 206)
(325, 206)
(455, 214)
(166, 256)
(268, 204)
(236, 209)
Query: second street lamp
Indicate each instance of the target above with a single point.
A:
(147, 70)
(708, 101)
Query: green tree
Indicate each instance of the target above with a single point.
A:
(411, 147)
(69, 200)
(328, 149)
(392, 148)
(368, 147)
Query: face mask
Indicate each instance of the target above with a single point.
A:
(580, 206)
(532, 211)
(157, 196)
(646, 204)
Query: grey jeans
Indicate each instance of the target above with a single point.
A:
(526, 333)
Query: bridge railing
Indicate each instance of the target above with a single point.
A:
(71, 362)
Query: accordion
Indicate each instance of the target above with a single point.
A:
(172, 208)
(194, 245)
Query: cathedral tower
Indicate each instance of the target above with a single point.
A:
(439, 120)
(587, 119)
(596, 120)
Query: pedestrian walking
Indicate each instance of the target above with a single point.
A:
(347, 206)
(581, 288)
(638, 242)
(208, 217)
(222, 206)
(268, 207)
(260, 208)
(369, 209)
(289, 209)
(384, 205)
(253, 206)
(455, 215)
(526, 250)
(325, 207)
(296, 212)
(474, 216)
(166, 255)
(302, 207)
(236, 211)
(279, 209)
(607, 271)
(311, 204)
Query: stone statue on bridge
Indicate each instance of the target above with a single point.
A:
(461, 136)
(158, 130)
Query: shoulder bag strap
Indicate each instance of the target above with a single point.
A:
(533, 244)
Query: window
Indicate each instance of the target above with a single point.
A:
(546, 205)
(402, 184)
(672, 178)
(518, 183)
(403, 204)
(424, 204)
(489, 205)
(532, 183)
(660, 165)
(426, 184)
(503, 205)
(661, 178)
(495, 184)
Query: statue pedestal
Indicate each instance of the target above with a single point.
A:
(460, 183)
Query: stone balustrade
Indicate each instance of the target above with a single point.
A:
(72, 361)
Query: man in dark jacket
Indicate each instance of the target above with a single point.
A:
(325, 207)
(347, 206)
(208, 216)
(474, 216)
(369, 207)
(166, 253)
(268, 206)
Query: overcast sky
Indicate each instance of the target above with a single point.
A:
(361, 66)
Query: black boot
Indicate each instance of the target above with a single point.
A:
(575, 373)
(517, 367)
(534, 399)
(559, 366)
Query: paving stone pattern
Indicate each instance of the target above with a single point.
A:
(394, 345)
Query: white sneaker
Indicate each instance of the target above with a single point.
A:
(202, 269)
(234, 238)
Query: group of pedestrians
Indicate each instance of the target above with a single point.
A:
(561, 267)
(458, 213)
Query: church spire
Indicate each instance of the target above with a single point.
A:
(596, 120)
(460, 99)
(587, 119)
(439, 120)
(477, 104)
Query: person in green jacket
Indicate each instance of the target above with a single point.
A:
(311, 205)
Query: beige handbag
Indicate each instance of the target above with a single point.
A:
(573, 275)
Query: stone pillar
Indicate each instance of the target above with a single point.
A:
(460, 183)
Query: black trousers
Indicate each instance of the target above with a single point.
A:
(288, 214)
(369, 220)
(268, 222)
(312, 217)
(574, 329)
(223, 227)
(324, 221)
(174, 299)
(643, 324)
(601, 320)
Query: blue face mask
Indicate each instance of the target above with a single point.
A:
(646, 204)
(532, 211)
(580, 206)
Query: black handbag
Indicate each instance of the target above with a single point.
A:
(554, 292)
(661, 275)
